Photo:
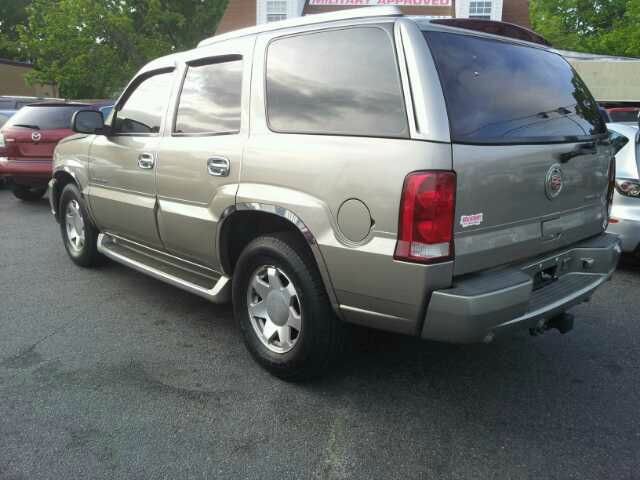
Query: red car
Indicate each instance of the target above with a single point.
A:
(27, 141)
(623, 114)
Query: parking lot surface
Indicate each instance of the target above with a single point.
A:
(107, 373)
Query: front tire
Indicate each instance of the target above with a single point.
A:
(283, 310)
(79, 235)
(28, 194)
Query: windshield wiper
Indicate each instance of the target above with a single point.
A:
(25, 125)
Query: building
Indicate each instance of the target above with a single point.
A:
(608, 77)
(247, 13)
(14, 82)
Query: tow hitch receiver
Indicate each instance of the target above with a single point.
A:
(563, 323)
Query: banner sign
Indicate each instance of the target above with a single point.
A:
(364, 3)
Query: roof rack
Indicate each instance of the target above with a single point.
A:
(385, 11)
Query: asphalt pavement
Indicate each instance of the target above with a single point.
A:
(107, 373)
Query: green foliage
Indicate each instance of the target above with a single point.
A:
(12, 14)
(608, 27)
(91, 48)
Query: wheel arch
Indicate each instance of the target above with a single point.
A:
(62, 177)
(243, 222)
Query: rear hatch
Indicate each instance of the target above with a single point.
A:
(32, 133)
(529, 147)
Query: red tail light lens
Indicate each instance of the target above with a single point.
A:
(427, 208)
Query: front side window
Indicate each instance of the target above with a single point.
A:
(501, 92)
(210, 99)
(144, 108)
(339, 82)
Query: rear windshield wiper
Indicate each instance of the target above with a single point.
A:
(25, 125)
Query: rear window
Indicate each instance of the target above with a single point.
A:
(498, 92)
(44, 118)
(623, 115)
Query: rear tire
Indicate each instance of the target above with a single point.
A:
(28, 194)
(283, 310)
(79, 235)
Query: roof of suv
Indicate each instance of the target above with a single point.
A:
(486, 27)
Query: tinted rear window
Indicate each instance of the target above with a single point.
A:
(499, 92)
(623, 115)
(45, 118)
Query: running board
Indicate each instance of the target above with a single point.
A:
(167, 268)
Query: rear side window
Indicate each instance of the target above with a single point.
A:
(144, 108)
(498, 92)
(618, 141)
(210, 99)
(340, 82)
(44, 118)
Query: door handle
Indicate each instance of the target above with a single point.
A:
(146, 161)
(218, 166)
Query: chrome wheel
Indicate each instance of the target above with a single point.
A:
(74, 225)
(274, 309)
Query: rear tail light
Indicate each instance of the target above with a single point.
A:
(628, 187)
(427, 208)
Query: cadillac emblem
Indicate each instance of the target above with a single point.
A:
(36, 136)
(554, 182)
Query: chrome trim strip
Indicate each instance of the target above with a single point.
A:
(372, 313)
(220, 293)
(300, 225)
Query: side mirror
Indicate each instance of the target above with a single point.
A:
(87, 121)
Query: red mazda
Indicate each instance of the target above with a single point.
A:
(27, 141)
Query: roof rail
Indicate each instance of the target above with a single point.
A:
(385, 11)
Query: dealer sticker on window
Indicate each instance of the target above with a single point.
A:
(471, 220)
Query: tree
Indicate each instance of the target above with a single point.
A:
(608, 27)
(91, 48)
(12, 14)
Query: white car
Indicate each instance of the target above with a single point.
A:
(625, 213)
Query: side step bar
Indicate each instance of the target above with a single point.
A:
(180, 273)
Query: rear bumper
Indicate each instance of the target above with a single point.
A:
(626, 214)
(486, 304)
(26, 169)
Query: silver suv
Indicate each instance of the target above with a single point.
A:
(356, 167)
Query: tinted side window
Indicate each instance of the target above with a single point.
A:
(343, 82)
(617, 141)
(210, 99)
(142, 112)
(507, 93)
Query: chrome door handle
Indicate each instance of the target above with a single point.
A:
(218, 166)
(146, 161)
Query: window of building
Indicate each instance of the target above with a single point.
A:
(339, 82)
(480, 9)
(210, 99)
(276, 10)
(143, 110)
